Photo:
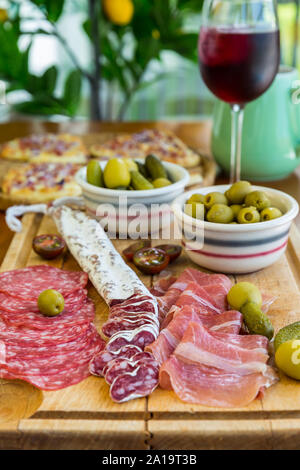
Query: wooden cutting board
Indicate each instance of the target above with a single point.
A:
(84, 417)
(202, 175)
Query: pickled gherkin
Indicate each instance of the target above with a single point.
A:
(256, 321)
(155, 167)
(138, 181)
(142, 168)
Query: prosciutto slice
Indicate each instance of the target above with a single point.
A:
(236, 354)
(217, 369)
(170, 337)
(210, 300)
(211, 290)
(196, 383)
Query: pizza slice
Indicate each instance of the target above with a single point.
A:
(40, 183)
(164, 144)
(60, 148)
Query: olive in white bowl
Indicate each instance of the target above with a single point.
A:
(234, 247)
(95, 196)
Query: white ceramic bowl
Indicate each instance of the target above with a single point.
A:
(96, 197)
(237, 248)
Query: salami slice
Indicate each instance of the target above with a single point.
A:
(78, 310)
(100, 362)
(52, 368)
(48, 358)
(28, 283)
(139, 383)
(129, 323)
(121, 366)
(140, 337)
(62, 379)
(27, 337)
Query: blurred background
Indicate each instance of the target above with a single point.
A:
(111, 59)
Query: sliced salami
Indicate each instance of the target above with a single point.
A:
(46, 360)
(28, 283)
(139, 383)
(78, 310)
(140, 337)
(121, 366)
(100, 362)
(115, 325)
(25, 337)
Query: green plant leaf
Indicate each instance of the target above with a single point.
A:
(147, 49)
(37, 107)
(54, 9)
(72, 92)
(184, 44)
(49, 79)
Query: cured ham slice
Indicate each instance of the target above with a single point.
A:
(210, 300)
(163, 283)
(217, 369)
(170, 337)
(207, 282)
(225, 352)
(212, 387)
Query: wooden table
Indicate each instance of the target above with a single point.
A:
(264, 425)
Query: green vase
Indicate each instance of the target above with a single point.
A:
(271, 131)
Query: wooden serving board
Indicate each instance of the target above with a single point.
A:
(207, 169)
(84, 417)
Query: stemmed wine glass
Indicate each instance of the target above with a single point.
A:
(239, 54)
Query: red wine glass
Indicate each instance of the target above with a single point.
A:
(239, 54)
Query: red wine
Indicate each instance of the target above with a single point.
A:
(238, 65)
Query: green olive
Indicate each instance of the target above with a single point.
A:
(270, 213)
(287, 333)
(242, 293)
(94, 174)
(237, 192)
(256, 321)
(131, 164)
(248, 215)
(161, 182)
(257, 199)
(195, 210)
(236, 209)
(287, 358)
(116, 173)
(215, 198)
(196, 198)
(220, 214)
(51, 302)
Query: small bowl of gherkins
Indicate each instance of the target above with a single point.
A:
(123, 189)
(235, 229)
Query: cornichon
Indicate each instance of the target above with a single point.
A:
(256, 321)
(155, 167)
(139, 182)
(142, 168)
